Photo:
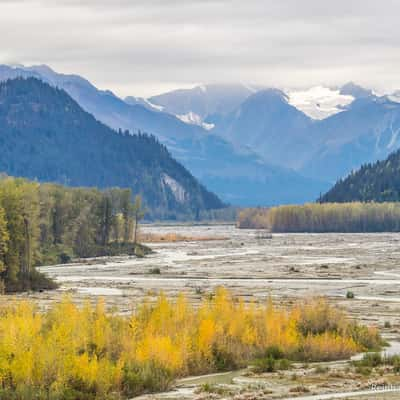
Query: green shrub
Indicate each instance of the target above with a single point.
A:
(271, 361)
(370, 360)
(368, 338)
(212, 388)
(148, 378)
(283, 364)
(65, 258)
(395, 362)
(363, 370)
(387, 324)
(266, 364)
(223, 360)
(275, 352)
(320, 369)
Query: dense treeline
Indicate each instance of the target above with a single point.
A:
(46, 135)
(86, 353)
(48, 223)
(329, 217)
(372, 182)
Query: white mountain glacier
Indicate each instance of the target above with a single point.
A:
(237, 174)
(194, 119)
(319, 102)
(250, 145)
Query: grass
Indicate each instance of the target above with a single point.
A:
(372, 361)
(175, 237)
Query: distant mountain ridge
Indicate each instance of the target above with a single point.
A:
(266, 123)
(46, 135)
(243, 142)
(204, 101)
(365, 130)
(236, 173)
(322, 133)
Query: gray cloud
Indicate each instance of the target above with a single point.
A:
(142, 47)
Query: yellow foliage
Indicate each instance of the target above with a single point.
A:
(325, 217)
(87, 350)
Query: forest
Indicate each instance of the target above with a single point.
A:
(102, 355)
(49, 224)
(378, 182)
(46, 136)
(325, 217)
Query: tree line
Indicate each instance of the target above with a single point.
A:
(378, 182)
(46, 135)
(326, 217)
(49, 223)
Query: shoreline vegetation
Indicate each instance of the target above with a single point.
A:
(147, 237)
(71, 352)
(52, 224)
(353, 217)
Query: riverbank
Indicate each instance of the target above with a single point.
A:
(287, 267)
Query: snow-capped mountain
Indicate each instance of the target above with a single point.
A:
(269, 125)
(395, 96)
(367, 131)
(362, 128)
(204, 100)
(250, 145)
(319, 102)
(239, 175)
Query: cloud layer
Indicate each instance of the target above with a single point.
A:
(143, 47)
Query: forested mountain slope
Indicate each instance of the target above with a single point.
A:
(237, 174)
(46, 135)
(372, 182)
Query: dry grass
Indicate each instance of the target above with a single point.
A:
(175, 237)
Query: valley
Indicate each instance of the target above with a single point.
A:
(287, 267)
(199, 200)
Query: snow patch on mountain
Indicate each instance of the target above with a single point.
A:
(194, 119)
(152, 105)
(319, 102)
(132, 100)
(395, 96)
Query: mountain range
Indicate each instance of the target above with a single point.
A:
(46, 135)
(251, 145)
(237, 174)
(321, 133)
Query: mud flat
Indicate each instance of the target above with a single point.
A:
(287, 267)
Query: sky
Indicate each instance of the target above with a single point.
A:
(147, 47)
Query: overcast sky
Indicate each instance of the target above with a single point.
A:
(143, 47)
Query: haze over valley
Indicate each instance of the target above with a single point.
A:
(251, 145)
(199, 200)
